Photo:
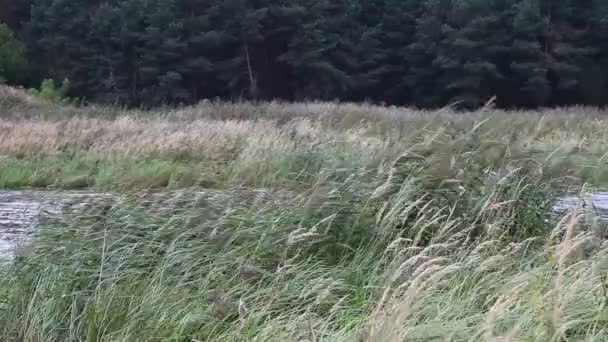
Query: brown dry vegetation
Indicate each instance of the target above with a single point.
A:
(226, 143)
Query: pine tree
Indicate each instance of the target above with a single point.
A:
(593, 85)
(13, 64)
(207, 46)
(467, 57)
(388, 27)
(107, 62)
(317, 55)
(242, 24)
(414, 52)
(58, 31)
(529, 73)
(422, 52)
(162, 50)
(564, 46)
(14, 13)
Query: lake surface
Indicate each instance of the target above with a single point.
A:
(20, 211)
(596, 203)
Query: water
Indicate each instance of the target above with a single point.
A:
(596, 203)
(20, 210)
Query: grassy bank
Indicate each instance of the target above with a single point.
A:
(221, 145)
(381, 225)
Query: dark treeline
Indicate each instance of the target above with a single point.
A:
(409, 52)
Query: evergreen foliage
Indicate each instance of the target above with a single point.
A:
(13, 64)
(424, 53)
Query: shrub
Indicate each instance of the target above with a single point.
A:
(53, 93)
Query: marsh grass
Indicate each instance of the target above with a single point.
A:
(375, 224)
(223, 145)
(344, 261)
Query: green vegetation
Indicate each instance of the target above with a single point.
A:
(222, 145)
(49, 91)
(326, 223)
(13, 63)
(427, 53)
(309, 221)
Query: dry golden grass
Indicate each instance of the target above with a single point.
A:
(286, 138)
(210, 130)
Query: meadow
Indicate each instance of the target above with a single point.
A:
(329, 222)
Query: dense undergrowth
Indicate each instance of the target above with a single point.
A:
(374, 224)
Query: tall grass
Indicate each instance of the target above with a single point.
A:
(342, 262)
(373, 224)
(222, 145)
